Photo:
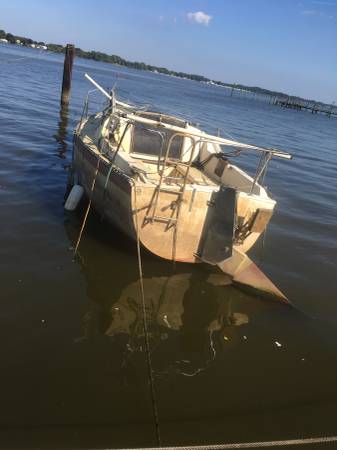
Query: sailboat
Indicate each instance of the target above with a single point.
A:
(175, 188)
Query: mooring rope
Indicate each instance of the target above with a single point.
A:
(146, 333)
(262, 444)
(89, 205)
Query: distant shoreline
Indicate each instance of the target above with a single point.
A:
(115, 59)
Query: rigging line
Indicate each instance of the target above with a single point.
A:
(146, 333)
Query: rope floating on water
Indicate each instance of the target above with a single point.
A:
(262, 444)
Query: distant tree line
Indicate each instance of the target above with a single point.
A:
(115, 59)
(12, 39)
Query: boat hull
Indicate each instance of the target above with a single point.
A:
(113, 201)
(126, 204)
(129, 204)
(123, 204)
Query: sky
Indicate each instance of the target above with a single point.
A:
(283, 45)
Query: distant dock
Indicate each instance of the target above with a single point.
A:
(313, 107)
(330, 110)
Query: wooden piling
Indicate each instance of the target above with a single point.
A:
(67, 72)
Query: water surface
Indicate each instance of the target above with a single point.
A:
(227, 366)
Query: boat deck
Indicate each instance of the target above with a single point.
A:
(173, 174)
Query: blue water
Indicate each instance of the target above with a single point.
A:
(65, 378)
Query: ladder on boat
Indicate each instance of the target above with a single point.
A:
(152, 215)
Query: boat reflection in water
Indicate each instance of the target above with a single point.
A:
(188, 315)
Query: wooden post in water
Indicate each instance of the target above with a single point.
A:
(67, 72)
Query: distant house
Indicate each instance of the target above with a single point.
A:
(18, 41)
(4, 41)
(33, 45)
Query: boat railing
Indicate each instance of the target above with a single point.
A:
(177, 161)
(205, 137)
(261, 170)
(85, 110)
(86, 105)
(132, 116)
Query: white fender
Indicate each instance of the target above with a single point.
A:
(74, 197)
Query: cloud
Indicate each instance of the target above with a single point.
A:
(314, 12)
(199, 17)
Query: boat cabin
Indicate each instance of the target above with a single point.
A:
(150, 149)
